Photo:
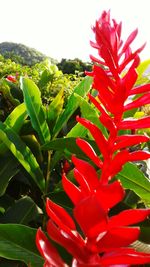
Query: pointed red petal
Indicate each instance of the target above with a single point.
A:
(139, 155)
(129, 80)
(89, 151)
(141, 101)
(129, 140)
(118, 237)
(140, 89)
(130, 39)
(135, 123)
(125, 256)
(117, 163)
(87, 171)
(59, 215)
(82, 182)
(128, 217)
(72, 190)
(97, 134)
(48, 251)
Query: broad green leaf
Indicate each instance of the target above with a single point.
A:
(89, 112)
(8, 168)
(45, 78)
(22, 211)
(32, 98)
(77, 130)
(82, 89)
(15, 120)
(17, 117)
(22, 153)
(17, 242)
(55, 108)
(132, 178)
(69, 144)
(33, 144)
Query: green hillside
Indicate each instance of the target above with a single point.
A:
(22, 54)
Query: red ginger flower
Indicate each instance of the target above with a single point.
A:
(105, 239)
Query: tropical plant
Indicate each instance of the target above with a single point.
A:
(107, 195)
(104, 237)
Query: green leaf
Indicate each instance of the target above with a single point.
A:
(55, 108)
(15, 120)
(45, 78)
(89, 112)
(62, 144)
(77, 130)
(32, 98)
(17, 242)
(81, 89)
(8, 168)
(17, 117)
(22, 211)
(22, 153)
(132, 178)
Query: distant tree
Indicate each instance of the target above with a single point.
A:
(72, 66)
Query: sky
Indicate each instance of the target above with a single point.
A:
(62, 28)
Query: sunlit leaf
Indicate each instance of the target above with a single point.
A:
(81, 89)
(132, 178)
(22, 153)
(32, 98)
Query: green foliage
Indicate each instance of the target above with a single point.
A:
(22, 54)
(72, 66)
(134, 179)
(18, 242)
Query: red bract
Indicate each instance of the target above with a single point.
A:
(11, 78)
(103, 239)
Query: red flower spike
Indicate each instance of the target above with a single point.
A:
(105, 238)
